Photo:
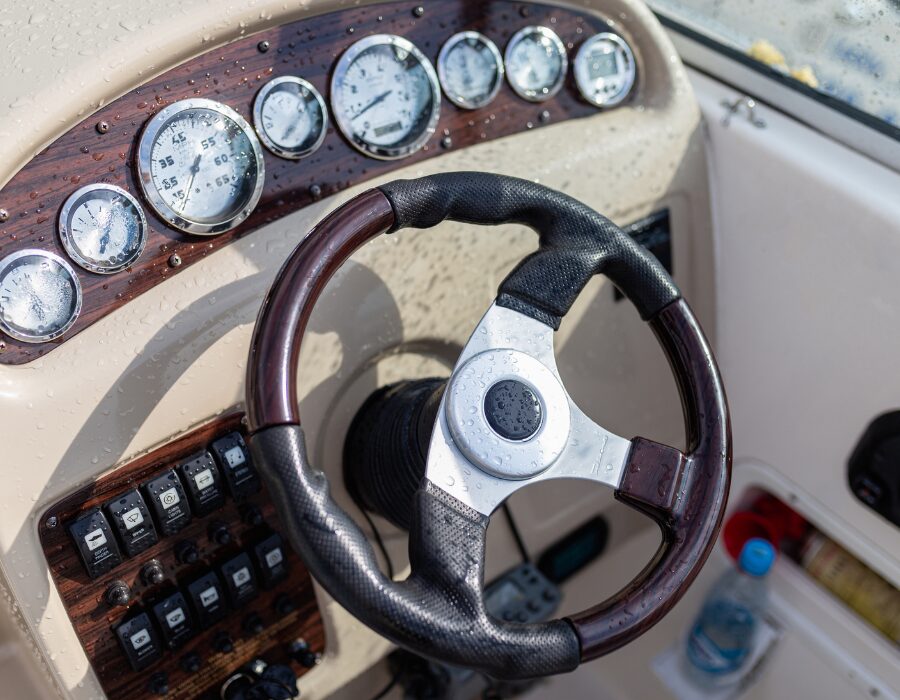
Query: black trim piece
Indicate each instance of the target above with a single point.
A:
(822, 98)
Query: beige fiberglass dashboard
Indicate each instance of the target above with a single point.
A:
(132, 362)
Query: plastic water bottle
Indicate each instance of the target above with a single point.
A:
(722, 637)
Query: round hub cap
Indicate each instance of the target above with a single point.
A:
(512, 410)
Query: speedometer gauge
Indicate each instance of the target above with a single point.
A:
(471, 69)
(40, 296)
(290, 117)
(201, 166)
(102, 228)
(604, 69)
(385, 96)
(536, 63)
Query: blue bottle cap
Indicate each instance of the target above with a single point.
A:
(757, 557)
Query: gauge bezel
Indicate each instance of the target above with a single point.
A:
(526, 93)
(337, 109)
(448, 46)
(621, 46)
(268, 141)
(65, 232)
(63, 263)
(145, 178)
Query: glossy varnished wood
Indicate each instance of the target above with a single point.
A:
(275, 350)
(685, 493)
(233, 75)
(94, 619)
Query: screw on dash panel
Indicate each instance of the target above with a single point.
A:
(4, 215)
(174, 260)
(419, 11)
(102, 127)
(52, 522)
(263, 46)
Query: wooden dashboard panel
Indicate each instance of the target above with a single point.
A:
(94, 618)
(233, 75)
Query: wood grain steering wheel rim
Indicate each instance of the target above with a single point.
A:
(684, 492)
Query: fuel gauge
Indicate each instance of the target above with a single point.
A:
(290, 117)
(40, 296)
(103, 228)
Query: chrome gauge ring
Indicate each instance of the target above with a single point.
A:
(471, 70)
(103, 228)
(385, 96)
(605, 69)
(290, 117)
(536, 63)
(40, 296)
(201, 166)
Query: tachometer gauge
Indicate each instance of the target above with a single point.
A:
(604, 69)
(385, 96)
(536, 63)
(40, 296)
(102, 228)
(471, 69)
(201, 166)
(290, 117)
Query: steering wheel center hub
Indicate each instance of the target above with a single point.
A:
(508, 414)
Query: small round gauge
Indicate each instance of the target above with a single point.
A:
(471, 69)
(40, 296)
(385, 96)
(604, 69)
(290, 117)
(102, 228)
(200, 166)
(536, 63)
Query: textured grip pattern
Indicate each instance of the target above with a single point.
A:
(576, 242)
(439, 610)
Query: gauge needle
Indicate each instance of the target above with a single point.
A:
(374, 102)
(195, 168)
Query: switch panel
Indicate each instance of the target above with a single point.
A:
(237, 468)
(165, 575)
(203, 483)
(131, 520)
(95, 542)
(167, 499)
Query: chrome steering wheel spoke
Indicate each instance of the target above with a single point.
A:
(507, 421)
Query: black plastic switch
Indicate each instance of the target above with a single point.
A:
(166, 498)
(240, 581)
(207, 598)
(139, 641)
(174, 620)
(271, 561)
(203, 483)
(233, 458)
(95, 542)
(130, 519)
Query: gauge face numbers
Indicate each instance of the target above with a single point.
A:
(201, 166)
(604, 69)
(471, 69)
(290, 117)
(385, 96)
(536, 63)
(102, 228)
(40, 296)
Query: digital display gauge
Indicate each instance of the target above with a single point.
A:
(385, 96)
(536, 63)
(200, 166)
(290, 117)
(604, 69)
(470, 68)
(102, 228)
(40, 296)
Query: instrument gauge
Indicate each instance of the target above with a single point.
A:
(200, 166)
(40, 296)
(290, 117)
(604, 69)
(536, 63)
(102, 228)
(471, 69)
(385, 96)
